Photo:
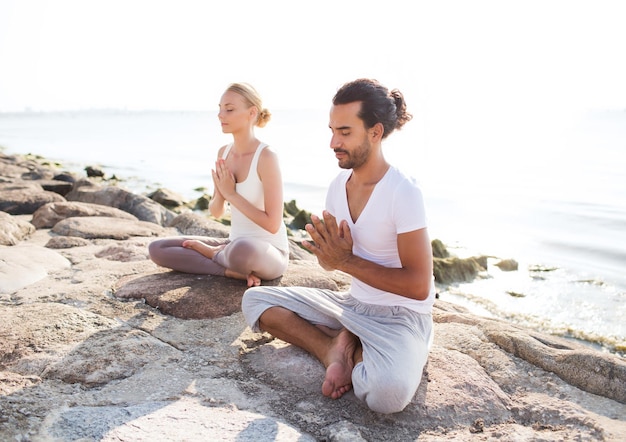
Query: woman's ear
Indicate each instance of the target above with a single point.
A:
(254, 113)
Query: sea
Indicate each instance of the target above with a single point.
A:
(550, 196)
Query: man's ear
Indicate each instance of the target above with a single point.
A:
(377, 131)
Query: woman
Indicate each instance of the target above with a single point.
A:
(247, 177)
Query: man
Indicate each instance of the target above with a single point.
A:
(374, 338)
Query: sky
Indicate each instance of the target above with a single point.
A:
(461, 58)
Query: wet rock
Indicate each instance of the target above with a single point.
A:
(454, 269)
(94, 171)
(439, 249)
(507, 265)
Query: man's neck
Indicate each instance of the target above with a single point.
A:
(370, 173)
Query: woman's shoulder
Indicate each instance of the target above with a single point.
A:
(267, 153)
(222, 149)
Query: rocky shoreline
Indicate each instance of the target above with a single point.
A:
(98, 343)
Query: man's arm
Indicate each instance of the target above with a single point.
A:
(333, 248)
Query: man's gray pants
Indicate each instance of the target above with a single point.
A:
(395, 339)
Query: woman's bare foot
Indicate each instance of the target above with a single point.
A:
(339, 365)
(252, 280)
(202, 248)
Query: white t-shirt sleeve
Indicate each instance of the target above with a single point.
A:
(408, 207)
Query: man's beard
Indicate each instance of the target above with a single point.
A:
(356, 158)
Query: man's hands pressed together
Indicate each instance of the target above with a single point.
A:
(332, 243)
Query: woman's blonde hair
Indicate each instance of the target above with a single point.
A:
(252, 97)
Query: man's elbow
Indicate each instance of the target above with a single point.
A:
(420, 290)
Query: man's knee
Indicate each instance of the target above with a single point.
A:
(250, 297)
(253, 304)
(389, 395)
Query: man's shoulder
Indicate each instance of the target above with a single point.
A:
(399, 177)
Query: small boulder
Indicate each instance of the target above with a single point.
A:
(50, 214)
(98, 227)
(23, 198)
(13, 230)
(167, 198)
(507, 265)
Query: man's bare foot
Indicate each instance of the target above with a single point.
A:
(332, 332)
(339, 365)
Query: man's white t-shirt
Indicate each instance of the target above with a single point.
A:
(395, 206)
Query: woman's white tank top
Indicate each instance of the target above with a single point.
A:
(252, 190)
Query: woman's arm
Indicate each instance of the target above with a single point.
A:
(217, 205)
(269, 172)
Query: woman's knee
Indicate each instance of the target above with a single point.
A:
(155, 250)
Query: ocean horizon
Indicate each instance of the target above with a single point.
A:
(557, 206)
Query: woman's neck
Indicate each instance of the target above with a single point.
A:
(244, 142)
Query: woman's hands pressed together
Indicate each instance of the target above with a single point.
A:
(223, 179)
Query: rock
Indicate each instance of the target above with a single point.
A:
(93, 346)
(187, 419)
(50, 214)
(203, 296)
(105, 227)
(291, 207)
(60, 187)
(23, 198)
(24, 168)
(507, 265)
(301, 219)
(21, 265)
(124, 253)
(439, 249)
(201, 203)
(142, 207)
(603, 374)
(454, 269)
(13, 230)
(67, 177)
(167, 198)
(66, 242)
(193, 224)
(94, 171)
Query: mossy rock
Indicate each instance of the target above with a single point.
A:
(453, 269)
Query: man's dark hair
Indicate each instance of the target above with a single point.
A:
(378, 105)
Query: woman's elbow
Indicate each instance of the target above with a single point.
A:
(274, 228)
